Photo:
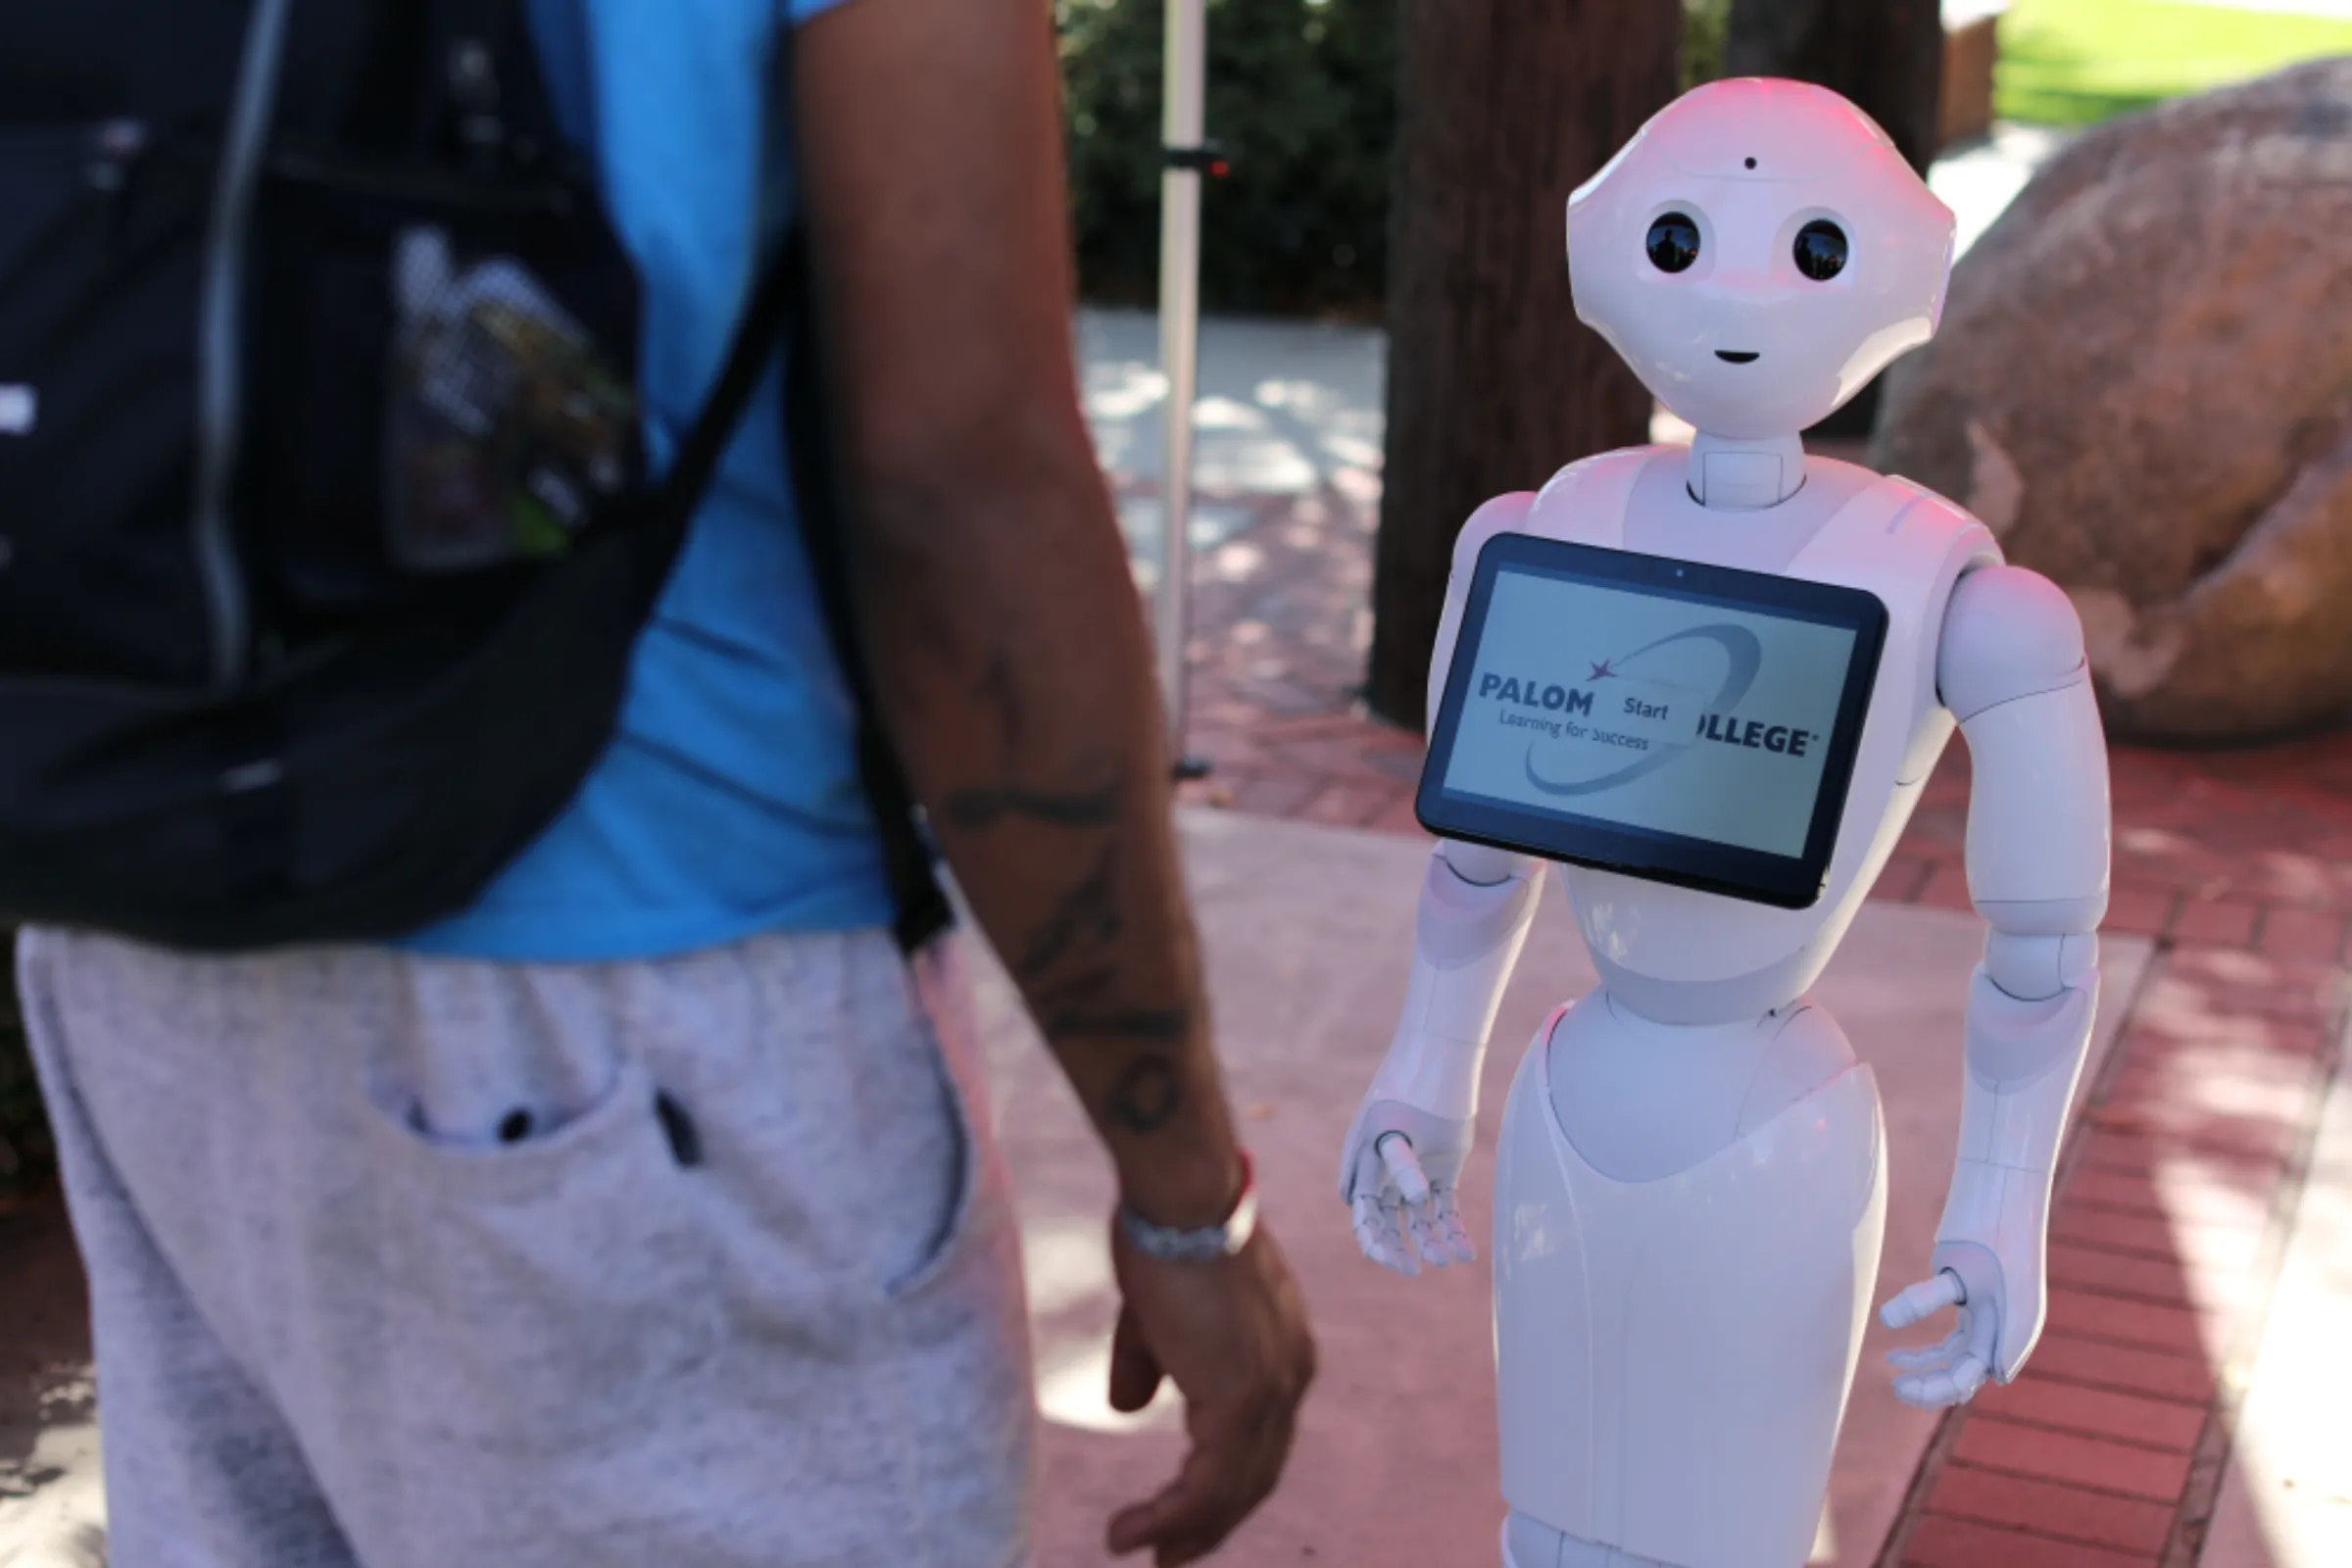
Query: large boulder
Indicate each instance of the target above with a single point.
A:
(2144, 384)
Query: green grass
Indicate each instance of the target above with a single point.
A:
(2074, 62)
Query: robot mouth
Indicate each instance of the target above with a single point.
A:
(1737, 356)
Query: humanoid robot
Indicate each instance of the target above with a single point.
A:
(1707, 684)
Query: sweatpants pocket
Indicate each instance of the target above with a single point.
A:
(955, 1154)
(552, 1293)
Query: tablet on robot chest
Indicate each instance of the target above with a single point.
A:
(1665, 719)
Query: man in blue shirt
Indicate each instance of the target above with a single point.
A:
(647, 1212)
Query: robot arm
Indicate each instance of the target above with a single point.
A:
(1403, 1154)
(2011, 670)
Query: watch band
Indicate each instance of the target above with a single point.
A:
(1203, 1245)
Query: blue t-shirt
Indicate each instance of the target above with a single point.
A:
(730, 803)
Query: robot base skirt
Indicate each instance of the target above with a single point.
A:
(1713, 1199)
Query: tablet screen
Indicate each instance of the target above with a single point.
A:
(1686, 722)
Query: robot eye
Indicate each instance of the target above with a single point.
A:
(1821, 250)
(1673, 243)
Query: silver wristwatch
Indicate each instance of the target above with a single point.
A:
(1205, 1244)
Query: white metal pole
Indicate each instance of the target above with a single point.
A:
(1179, 331)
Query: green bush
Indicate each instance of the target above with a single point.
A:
(1302, 96)
(1703, 23)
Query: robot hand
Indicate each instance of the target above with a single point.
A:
(1401, 1171)
(1966, 1277)
(2024, 1057)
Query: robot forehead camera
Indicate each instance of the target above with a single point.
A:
(1756, 253)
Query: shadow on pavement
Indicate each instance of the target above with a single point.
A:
(49, 1509)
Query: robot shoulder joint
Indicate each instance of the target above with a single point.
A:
(2007, 633)
(1503, 515)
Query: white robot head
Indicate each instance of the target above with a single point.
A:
(1756, 253)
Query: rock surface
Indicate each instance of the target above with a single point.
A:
(2144, 384)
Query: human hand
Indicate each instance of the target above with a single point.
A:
(1232, 1336)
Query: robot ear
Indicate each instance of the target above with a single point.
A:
(1591, 207)
(1586, 219)
(1917, 233)
(1943, 288)
(1944, 273)
(1600, 177)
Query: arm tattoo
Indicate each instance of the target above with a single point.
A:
(976, 809)
(997, 690)
(1074, 1008)
(1125, 1023)
(1088, 913)
(1147, 1095)
(1072, 982)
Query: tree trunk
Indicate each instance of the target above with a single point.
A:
(1505, 107)
(1886, 56)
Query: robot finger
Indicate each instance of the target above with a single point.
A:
(1981, 1323)
(1361, 1173)
(1370, 1227)
(1457, 1237)
(1417, 1233)
(1924, 1300)
(1937, 1391)
(1420, 1227)
(1366, 1174)
(1376, 1234)
(1930, 1358)
(1405, 1168)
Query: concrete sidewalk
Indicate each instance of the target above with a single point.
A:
(2288, 1500)
(52, 1514)
(2194, 1182)
(1308, 931)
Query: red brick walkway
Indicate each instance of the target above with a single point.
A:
(2109, 1453)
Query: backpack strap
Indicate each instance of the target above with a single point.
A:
(779, 293)
(922, 909)
(774, 296)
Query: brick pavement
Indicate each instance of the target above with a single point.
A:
(2109, 1451)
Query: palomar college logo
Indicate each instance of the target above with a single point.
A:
(1743, 656)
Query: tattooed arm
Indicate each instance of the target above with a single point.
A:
(1011, 657)
(1004, 633)
(1063, 843)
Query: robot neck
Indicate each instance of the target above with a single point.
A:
(1745, 476)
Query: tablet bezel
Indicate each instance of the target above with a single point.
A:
(1793, 882)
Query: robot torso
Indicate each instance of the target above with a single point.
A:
(1681, 955)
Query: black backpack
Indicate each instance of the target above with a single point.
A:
(324, 532)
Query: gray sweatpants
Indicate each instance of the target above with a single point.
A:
(417, 1262)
